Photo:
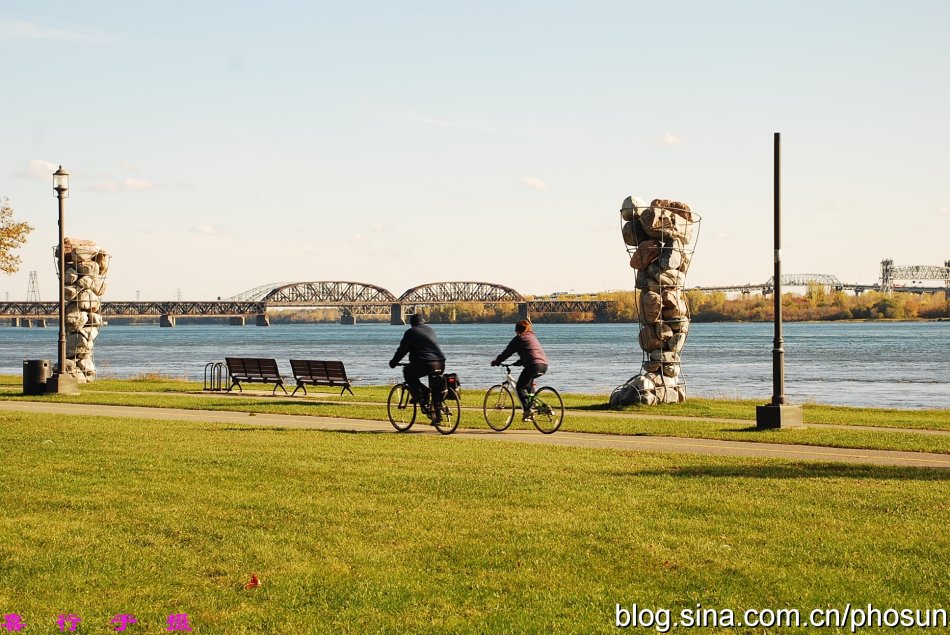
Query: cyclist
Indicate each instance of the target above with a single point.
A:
(425, 358)
(535, 362)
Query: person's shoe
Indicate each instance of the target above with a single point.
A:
(436, 418)
(527, 416)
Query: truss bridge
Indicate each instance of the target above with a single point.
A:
(350, 298)
(893, 278)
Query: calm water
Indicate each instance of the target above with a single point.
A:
(902, 365)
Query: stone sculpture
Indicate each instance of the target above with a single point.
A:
(85, 284)
(660, 238)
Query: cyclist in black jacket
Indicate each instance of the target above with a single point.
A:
(425, 358)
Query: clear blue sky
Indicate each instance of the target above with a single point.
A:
(398, 143)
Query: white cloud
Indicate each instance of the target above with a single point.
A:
(136, 185)
(207, 230)
(20, 31)
(104, 186)
(358, 239)
(125, 185)
(444, 123)
(38, 170)
(943, 209)
(670, 139)
(533, 183)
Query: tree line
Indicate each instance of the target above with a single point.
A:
(816, 304)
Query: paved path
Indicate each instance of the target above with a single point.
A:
(264, 395)
(561, 438)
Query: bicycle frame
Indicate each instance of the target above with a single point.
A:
(546, 413)
(512, 384)
(444, 408)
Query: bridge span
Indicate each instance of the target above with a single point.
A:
(888, 282)
(359, 298)
(350, 298)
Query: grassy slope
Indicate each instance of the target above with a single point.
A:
(417, 533)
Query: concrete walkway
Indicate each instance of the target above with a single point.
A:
(561, 438)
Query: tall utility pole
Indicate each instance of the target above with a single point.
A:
(33, 289)
(778, 414)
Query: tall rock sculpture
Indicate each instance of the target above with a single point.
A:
(85, 284)
(660, 239)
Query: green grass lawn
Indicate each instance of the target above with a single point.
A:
(356, 533)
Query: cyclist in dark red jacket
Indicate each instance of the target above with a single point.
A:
(531, 355)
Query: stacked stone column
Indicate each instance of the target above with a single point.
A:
(85, 284)
(660, 239)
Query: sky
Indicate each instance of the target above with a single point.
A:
(214, 147)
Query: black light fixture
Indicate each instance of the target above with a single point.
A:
(61, 382)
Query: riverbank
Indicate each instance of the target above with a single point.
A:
(714, 419)
(889, 365)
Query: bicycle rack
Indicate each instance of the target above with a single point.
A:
(214, 374)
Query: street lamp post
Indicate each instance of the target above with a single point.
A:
(778, 413)
(61, 382)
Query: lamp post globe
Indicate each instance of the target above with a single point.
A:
(61, 382)
(61, 182)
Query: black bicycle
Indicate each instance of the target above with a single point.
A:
(545, 406)
(402, 408)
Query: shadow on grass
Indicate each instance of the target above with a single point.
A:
(599, 407)
(801, 471)
(315, 430)
(252, 429)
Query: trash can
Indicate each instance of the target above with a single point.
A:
(35, 374)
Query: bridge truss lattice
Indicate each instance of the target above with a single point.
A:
(890, 273)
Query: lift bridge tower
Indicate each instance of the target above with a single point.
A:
(33, 289)
(890, 273)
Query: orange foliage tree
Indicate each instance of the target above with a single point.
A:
(12, 235)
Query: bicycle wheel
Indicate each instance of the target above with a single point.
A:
(548, 410)
(400, 408)
(451, 412)
(499, 407)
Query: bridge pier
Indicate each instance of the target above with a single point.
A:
(166, 320)
(41, 322)
(236, 320)
(523, 313)
(395, 314)
(15, 321)
(26, 322)
(347, 318)
(262, 319)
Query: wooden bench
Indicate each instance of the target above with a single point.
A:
(319, 373)
(254, 370)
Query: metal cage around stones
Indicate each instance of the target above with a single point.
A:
(660, 239)
(84, 284)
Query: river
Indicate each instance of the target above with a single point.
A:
(874, 364)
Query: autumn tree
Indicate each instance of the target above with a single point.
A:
(12, 235)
